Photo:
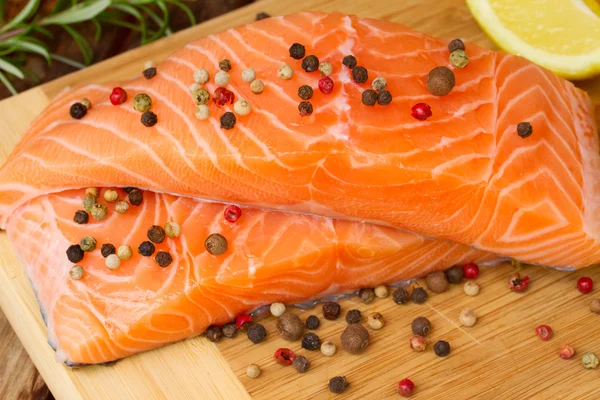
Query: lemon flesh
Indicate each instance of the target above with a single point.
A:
(561, 35)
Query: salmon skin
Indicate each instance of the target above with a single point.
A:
(347, 197)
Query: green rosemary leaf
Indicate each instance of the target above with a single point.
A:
(29, 45)
(78, 13)
(162, 23)
(30, 74)
(67, 61)
(43, 31)
(98, 32)
(25, 13)
(84, 46)
(2, 7)
(185, 9)
(7, 83)
(163, 7)
(135, 13)
(11, 69)
(124, 24)
(61, 5)
(8, 50)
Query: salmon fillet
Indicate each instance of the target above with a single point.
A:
(348, 197)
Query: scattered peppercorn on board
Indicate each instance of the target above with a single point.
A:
(500, 357)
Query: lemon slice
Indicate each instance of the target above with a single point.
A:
(561, 35)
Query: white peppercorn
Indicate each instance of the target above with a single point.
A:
(285, 72)
(201, 76)
(172, 229)
(242, 107)
(467, 317)
(86, 103)
(379, 83)
(76, 272)
(277, 309)
(375, 321)
(325, 68)
(248, 75)
(124, 252)
(148, 64)
(328, 348)
(253, 371)
(122, 206)
(202, 112)
(471, 288)
(193, 87)
(111, 195)
(381, 292)
(222, 78)
(257, 86)
(112, 262)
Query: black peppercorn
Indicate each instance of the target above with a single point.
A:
(228, 120)
(107, 249)
(213, 333)
(331, 310)
(256, 333)
(135, 197)
(524, 129)
(81, 217)
(301, 364)
(149, 119)
(441, 348)
(146, 249)
(366, 295)
(455, 274)
(310, 63)
(421, 326)
(384, 98)
(400, 296)
(311, 341)
(360, 74)
(75, 253)
(163, 259)
(156, 234)
(225, 65)
(369, 97)
(419, 295)
(149, 73)
(305, 108)
(128, 189)
(305, 92)
(349, 61)
(262, 15)
(338, 384)
(353, 316)
(312, 322)
(297, 51)
(215, 244)
(456, 44)
(229, 330)
(78, 110)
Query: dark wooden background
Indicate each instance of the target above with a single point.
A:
(19, 379)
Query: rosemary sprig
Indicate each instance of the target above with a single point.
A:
(26, 32)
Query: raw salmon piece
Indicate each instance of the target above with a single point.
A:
(272, 256)
(463, 175)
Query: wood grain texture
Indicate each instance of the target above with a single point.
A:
(499, 358)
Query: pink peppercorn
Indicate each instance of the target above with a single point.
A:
(421, 111)
(471, 271)
(566, 351)
(585, 285)
(233, 213)
(326, 85)
(284, 356)
(544, 332)
(406, 387)
(242, 320)
(118, 96)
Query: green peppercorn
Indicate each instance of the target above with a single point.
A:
(135, 197)
(228, 120)
(99, 212)
(225, 65)
(201, 96)
(349, 61)
(78, 111)
(142, 102)
(215, 244)
(297, 51)
(107, 249)
(87, 243)
(92, 191)
(156, 234)
(310, 63)
(305, 92)
(149, 119)
(369, 97)
(88, 203)
(360, 74)
(459, 59)
(146, 249)
(81, 217)
(75, 253)
(440, 81)
(163, 259)
(524, 129)
(589, 360)
(76, 272)
(122, 206)
(149, 73)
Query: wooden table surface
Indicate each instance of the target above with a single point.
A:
(499, 358)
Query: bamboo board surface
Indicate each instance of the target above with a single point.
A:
(499, 358)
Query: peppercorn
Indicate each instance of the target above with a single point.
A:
(228, 120)
(459, 59)
(584, 284)
(193, 87)
(471, 271)
(338, 384)
(437, 282)
(156, 234)
(326, 85)
(243, 321)
(360, 74)
(222, 78)
(225, 65)
(201, 96)
(544, 332)
(328, 349)
(375, 321)
(419, 295)
(262, 15)
(223, 96)
(418, 343)
(232, 213)
(353, 316)
(202, 112)
(595, 306)
(589, 360)
(284, 356)
(215, 244)
(289, 326)
(312, 322)
(201, 76)
(112, 262)
(311, 341)
(81, 217)
(440, 81)
(256, 333)
(421, 111)
(518, 284)
(87, 243)
(253, 371)
(331, 310)
(124, 252)
(146, 249)
(128, 189)
(384, 98)
(122, 206)
(135, 197)
(142, 102)
(379, 83)
(77, 110)
(297, 51)
(301, 364)
(172, 229)
(118, 96)
(366, 295)
(149, 73)
(110, 196)
(369, 97)
(325, 68)
(421, 326)
(86, 103)
(454, 274)
(456, 44)
(163, 259)
(107, 249)
(229, 330)
(355, 338)
(400, 296)
(381, 292)
(305, 92)
(467, 317)
(76, 272)
(441, 348)
(242, 107)
(305, 108)
(88, 203)
(566, 351)
(248, 75)
(257, 86)
(406, 387)
(75, 253)
(99, 212)
(310, 63)
(349, 61)
(213, 333)
(149, 119)
(277, 309)
(93, 192)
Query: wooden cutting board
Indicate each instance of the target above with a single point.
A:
(499, 358)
